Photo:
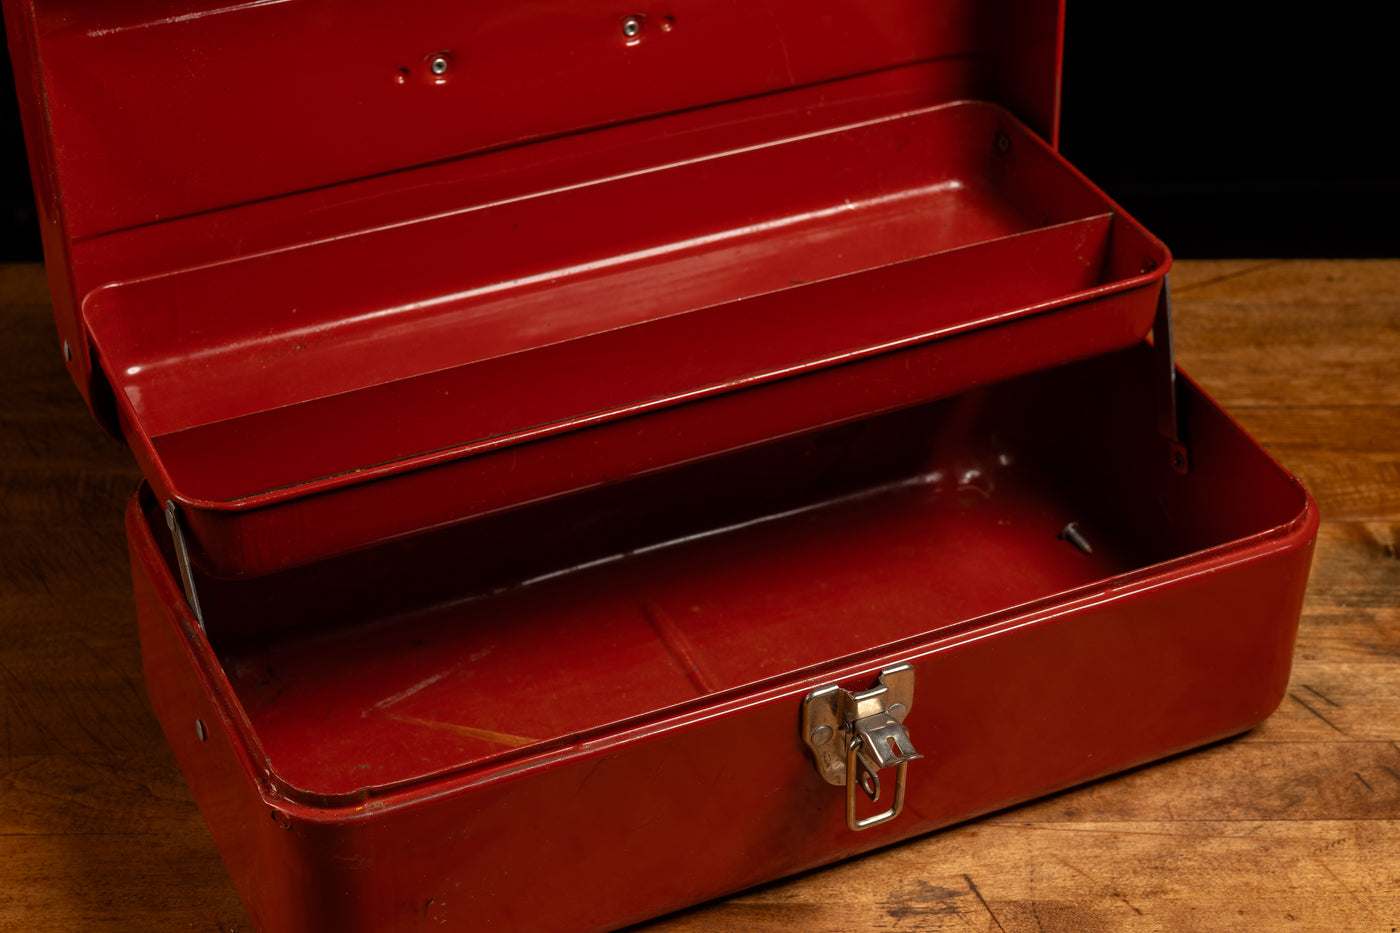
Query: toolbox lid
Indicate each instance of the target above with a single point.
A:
(297, 247)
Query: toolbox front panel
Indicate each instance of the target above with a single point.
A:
(708, 788)
(624, 828)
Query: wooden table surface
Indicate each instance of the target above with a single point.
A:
(1295, 826)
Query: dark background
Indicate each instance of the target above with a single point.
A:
(1236, 128)
(1229, 129)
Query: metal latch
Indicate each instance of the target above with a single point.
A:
(854, 736)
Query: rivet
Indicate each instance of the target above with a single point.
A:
(200, 731)
(897, 710)
(439, 65)
(821, 735)
(1003, 142)
(631, 26)
(281, 819)
(67, 352)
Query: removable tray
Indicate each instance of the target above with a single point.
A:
(452, 720)
(423, 351)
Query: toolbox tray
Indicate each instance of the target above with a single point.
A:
(666, 629)
(634, 294)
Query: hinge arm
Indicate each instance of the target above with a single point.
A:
(182, 557)
(1164, 372)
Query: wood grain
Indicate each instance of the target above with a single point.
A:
(1295, 826)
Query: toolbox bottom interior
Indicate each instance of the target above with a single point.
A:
(567, 618)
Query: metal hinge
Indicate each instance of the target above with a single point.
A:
(182, 556)
(1168, 400)
(853, 736)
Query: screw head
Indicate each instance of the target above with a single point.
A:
(200, 731)
(438, 65)
(631, 26)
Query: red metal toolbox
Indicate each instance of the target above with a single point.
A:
(602, 458)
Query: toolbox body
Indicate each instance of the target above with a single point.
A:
(600, 459)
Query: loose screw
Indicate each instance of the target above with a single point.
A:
(1071, 534)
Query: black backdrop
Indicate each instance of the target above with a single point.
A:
(1229, 129)
(1239, 128)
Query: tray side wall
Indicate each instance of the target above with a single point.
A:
(322, 520)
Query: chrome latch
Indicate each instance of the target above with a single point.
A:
(854, 736)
